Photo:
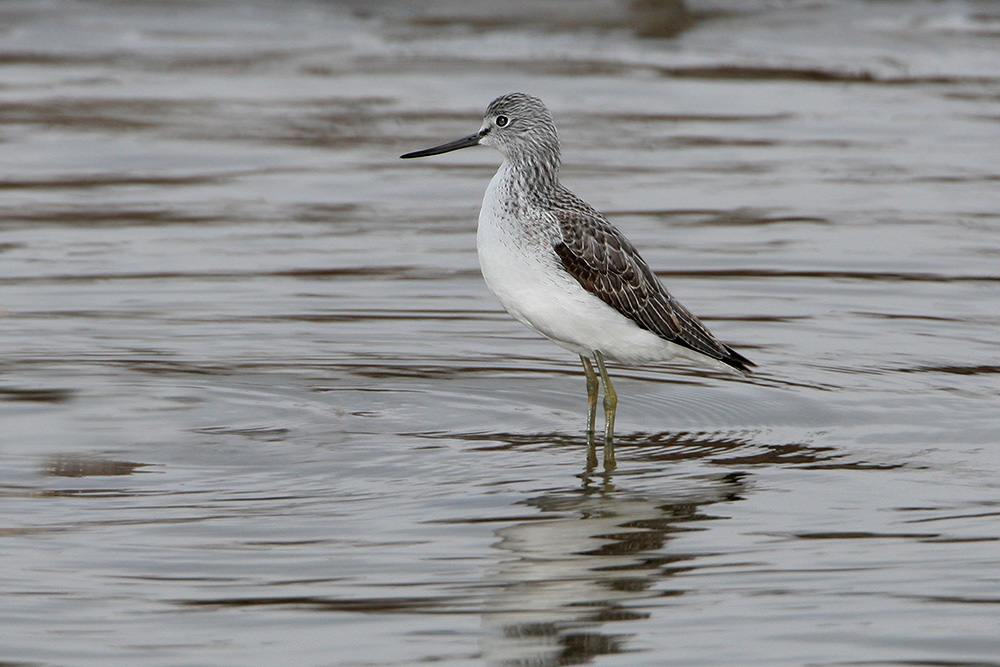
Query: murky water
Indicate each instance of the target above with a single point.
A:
(257, 406)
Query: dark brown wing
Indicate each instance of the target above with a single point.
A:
(608, 266)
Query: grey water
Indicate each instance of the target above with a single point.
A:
(257, 406)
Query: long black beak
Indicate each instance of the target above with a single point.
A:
(464, 142)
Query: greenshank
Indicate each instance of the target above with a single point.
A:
(559, 267)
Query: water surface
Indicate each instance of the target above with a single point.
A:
(257, 406)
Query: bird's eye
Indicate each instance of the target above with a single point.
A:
(502, 121)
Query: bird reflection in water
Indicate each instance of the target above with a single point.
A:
(583, 565)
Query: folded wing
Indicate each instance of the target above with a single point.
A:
(607, 265)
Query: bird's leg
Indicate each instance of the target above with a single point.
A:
(610, 405)
(592, 388)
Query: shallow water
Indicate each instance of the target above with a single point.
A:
(257, 406)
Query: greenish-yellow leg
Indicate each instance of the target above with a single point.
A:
(592, 388)
(610, 405)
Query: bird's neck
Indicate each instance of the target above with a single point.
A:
(531, 176)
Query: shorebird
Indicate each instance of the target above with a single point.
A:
(559, 267)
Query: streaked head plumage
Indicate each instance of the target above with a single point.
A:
(520, 126)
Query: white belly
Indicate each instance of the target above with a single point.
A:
(528, 279)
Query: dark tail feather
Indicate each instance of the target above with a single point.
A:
(736, 360)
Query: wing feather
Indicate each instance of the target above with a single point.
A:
(607, 265)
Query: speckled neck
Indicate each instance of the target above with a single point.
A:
(535, 173)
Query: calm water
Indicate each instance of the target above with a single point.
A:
(257, 406)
